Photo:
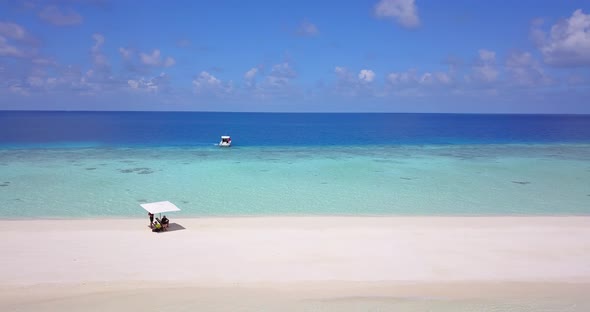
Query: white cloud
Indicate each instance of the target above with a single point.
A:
(345, 79)
(283, 70)
(487, 56)
(345, 76)
(47, 75)
(426, 78)
(151, 59)
(44, 61)
(125, 53)
(340, 71)
(412, 78)
(525, 70)
(205, 79)
(443, 78)
(98, 58)
(402, 77)
(12, 38)
(155, 59)
(133, 84)
(273, 84)
(18, 89)
(274, 81)
(69, 78)
(537, 35)
(7, 49)
(351, 84)
(53, 15)
(101, 60)
(485, 73)
(251, 74)
(41, 82)
(169, 62)
(404, 12)
(280, 75)
(366, 75)
(485, 69)
(205, 83)
(307, 29)
(568, 42)
(98, 42)
(12, 31)
(152, 85)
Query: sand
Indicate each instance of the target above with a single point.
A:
(298, 263)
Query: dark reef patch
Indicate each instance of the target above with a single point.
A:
(142, 200)
(521, 182)
(406, 178)
(90, 168)
(141, 170)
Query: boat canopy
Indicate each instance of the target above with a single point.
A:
(225, 137)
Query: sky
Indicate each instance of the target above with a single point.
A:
(458, 56)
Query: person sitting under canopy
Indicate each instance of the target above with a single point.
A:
(165, 222)
(157, 226)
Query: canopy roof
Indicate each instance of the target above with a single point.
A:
(225, 136)
(159, 207)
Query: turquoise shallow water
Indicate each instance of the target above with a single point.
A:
(488, 179)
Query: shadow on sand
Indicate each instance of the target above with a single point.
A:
(172, 227)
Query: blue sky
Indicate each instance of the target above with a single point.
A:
(296, 56)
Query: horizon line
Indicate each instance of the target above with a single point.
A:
(256, 112)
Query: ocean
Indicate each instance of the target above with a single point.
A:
(104, 164)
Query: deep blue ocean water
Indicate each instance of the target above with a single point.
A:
(104, 164)
(276, 129)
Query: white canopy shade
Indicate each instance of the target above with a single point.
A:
(225, 136)
(159, 207)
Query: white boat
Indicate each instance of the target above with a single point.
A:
(225, 141)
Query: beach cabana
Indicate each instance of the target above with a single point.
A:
(160, 207)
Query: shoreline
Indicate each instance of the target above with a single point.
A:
(305, 216)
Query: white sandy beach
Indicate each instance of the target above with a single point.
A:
(297, 263)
